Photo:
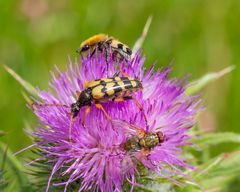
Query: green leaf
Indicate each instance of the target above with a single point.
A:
(155, 186)
(3, 182)
(14, 171)
(199, 84)
(216, 138)
(216, 174)
(140, 40)
(26, 85)
(27, 98)
(219, 172)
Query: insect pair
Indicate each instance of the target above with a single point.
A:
(114, 89)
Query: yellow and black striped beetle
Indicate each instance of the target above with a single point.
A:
(102, 42)
(115, 89)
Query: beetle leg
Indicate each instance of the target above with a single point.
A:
(120, 99)
(81, 55)
(99, 106)
(94, 50)
(141, 109)
(105, 49)
(116, 74)
(85, 84)
(85, 114)
(79, 92)
(124, 74)
(120, 72)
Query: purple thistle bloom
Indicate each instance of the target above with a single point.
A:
(95, 157)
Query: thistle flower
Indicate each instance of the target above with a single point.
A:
(95, 156)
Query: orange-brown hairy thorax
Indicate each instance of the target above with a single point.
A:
(94, 40)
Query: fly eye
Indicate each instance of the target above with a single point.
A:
(161, 136)
(85, 48)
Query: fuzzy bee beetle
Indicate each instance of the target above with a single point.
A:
(102, 42)
(115, 89)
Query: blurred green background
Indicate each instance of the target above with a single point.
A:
(200, 35)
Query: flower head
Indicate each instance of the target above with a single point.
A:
(95, 156)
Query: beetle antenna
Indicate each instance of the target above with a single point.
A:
(49, 105)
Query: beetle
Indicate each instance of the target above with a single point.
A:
(103, 43)
(114, 89)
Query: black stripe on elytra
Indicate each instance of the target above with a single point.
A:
(124, 50)
(128, 84)
(117, 78)
(100, 46)
(109, 41)
(103, 83)
(124, 78)
(120, 46)
(104, 90)
(139, 84)
(129, 51)
(117, 88)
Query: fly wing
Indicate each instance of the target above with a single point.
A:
(128, 163)
(127, 128)
(131, 160)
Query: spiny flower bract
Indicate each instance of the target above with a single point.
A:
(95, 157)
